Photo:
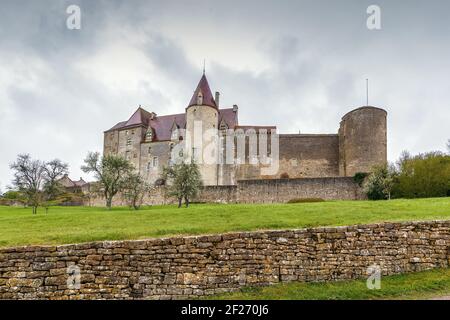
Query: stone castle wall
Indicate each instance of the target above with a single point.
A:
(283, 190)
(309, 155)
(189, 267)
(260, 191)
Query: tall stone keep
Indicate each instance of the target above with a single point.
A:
(201, 132)
(362, 140)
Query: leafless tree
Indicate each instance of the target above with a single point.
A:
(29, 176)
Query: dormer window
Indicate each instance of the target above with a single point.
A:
(223, 126)
(149, 135)
(175, 132)
(199, 99)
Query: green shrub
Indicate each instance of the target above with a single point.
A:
(423, 176)
(379, 183)
(305, 200)
(359, 177)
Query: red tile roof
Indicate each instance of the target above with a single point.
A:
(162, 125)
(203, 87)
(140, 117)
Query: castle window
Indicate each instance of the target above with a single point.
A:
(149, 166)
(175, 134)
(155, 162)
(126, 132)
(128, 141)
(135, 155)
(171, 146)
(127, 155)
(149, 150)
(149, 135)
(223, 126)
(132, 131)
(199, 99)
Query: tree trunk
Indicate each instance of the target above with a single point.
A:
(180, 200)
(109, 203)
(186, 201)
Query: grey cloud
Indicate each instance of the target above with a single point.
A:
(317, 55)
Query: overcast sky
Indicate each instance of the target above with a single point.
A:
(300, 65)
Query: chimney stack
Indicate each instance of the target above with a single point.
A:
(235, 108)
(217, 98)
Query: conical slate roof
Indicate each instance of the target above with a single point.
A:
(203, 87)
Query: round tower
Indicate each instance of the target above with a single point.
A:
(201, 131)
(362, 140)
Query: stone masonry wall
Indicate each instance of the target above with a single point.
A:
(189, 267)
(261, 191)
(283, 190)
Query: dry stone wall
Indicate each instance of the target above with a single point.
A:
(189, 267)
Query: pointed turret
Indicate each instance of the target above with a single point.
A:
(202, 95)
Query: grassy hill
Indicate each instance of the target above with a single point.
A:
(81, 224)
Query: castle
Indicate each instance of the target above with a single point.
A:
(206, 130)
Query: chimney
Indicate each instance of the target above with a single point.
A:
(152, 115)
(235, 108)
(217, 98)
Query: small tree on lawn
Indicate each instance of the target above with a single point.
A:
(29, 177)
(379, 183)
(54, 171)
(185, 181)
(135, 188)
(111, 171)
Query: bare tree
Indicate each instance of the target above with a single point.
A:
(29, 176)
(54, 171)
(111, 171)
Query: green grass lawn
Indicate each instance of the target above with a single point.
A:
(80, 224)
(421, 285)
